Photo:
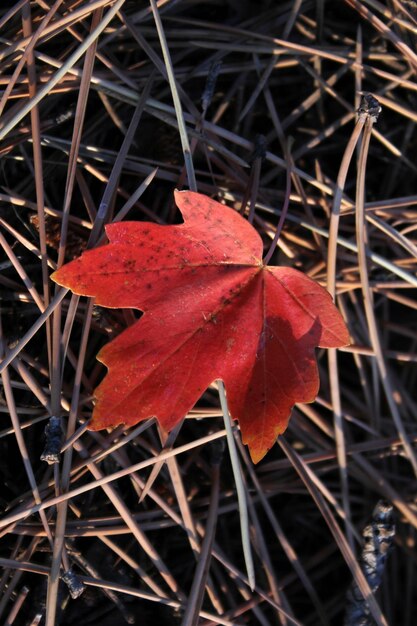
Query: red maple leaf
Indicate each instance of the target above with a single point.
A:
(212, 310)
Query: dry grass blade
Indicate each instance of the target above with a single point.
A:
(61, 72)
(332, 354)
(360, 579)
(175, 96)
(10, 519)
(391, 395)
(200, 576)
(168, 444)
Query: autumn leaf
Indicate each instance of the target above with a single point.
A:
(212, 310)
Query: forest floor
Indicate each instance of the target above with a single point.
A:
(269, 94)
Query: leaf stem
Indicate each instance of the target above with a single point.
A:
(240, 488)
(283, 212)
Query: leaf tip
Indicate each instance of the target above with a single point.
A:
(65, 278)
(259, 447)
(56, 277)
